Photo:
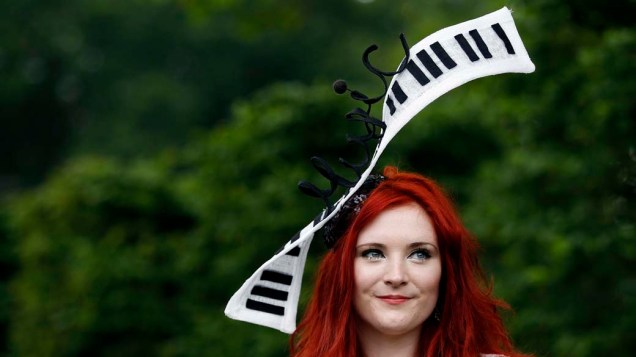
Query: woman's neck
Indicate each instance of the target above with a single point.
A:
(375, 344)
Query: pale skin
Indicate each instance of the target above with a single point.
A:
(397, 271)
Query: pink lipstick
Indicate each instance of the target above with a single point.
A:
(394, 299)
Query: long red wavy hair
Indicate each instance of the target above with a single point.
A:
(470, 323)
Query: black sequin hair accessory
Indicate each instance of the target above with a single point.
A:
(338, 225)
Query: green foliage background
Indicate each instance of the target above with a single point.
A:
(151, 151)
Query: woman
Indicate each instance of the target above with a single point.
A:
(402, 280)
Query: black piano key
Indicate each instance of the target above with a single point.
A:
(276, 277)
(466, 47)
(417, 73)
(502, 35)
(481, 45)
(292, 240)
(295, 237)
(389, 102)
(443, 55)
(398, 92)
(319, 218)
(428, 62)
(294, 252)
(269, 293)
(265, 307)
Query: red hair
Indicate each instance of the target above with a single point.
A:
(470, 323)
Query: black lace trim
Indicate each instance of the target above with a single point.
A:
(374, 131)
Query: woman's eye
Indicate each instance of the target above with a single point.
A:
(372, 254)
(420, 254)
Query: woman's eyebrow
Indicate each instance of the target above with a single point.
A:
(371, 245)
(420, 244)
(382, 246)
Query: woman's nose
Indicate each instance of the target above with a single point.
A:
(395, 274)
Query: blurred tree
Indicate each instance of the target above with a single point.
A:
(131, 78)
(112, 261)
(94, 246)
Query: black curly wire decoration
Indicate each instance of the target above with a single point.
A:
(374, 131)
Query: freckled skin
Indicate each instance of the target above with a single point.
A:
(397, 271)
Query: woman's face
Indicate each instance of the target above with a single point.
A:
(397, 271)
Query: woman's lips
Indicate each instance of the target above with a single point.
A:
(394, 299)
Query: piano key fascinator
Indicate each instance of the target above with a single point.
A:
(450, 57)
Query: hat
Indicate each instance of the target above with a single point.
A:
(448, 58)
